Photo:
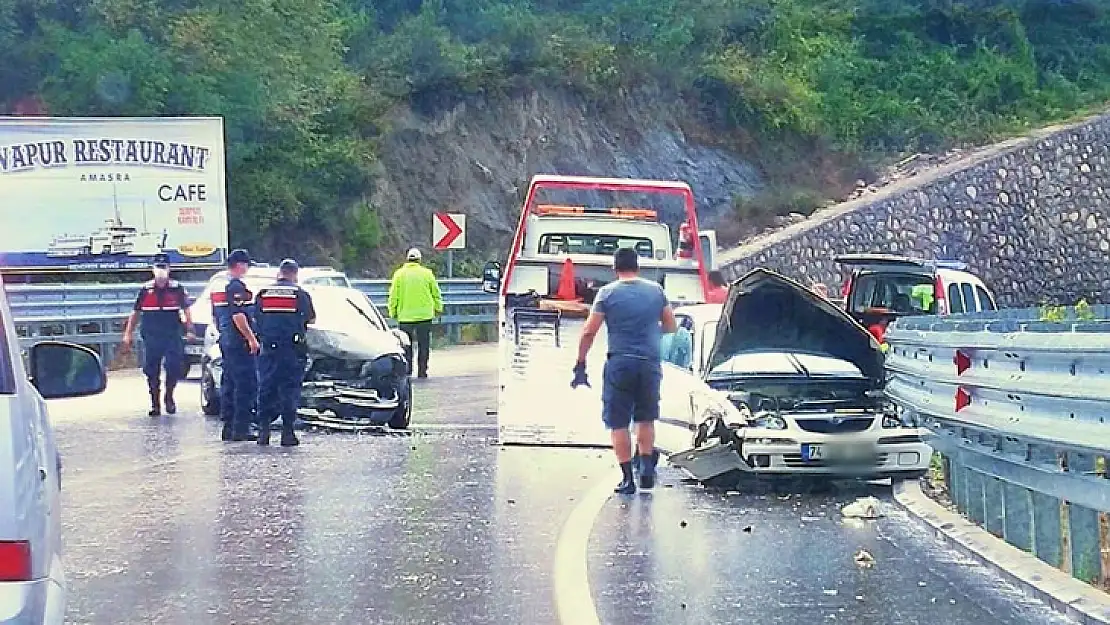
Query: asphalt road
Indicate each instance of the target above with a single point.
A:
(166, 524)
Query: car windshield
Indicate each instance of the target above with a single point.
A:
(602, 244)
(345, 308)
(328, 281)
(784, 364)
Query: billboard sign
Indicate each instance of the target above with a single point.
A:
(107, 194)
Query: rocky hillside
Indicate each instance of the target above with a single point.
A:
(478, 157)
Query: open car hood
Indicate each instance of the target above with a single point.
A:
(768, 312)
(345, 330)
(351, 343)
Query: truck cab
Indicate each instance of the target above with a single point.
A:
(562, 254)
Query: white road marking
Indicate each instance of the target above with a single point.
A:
(574, 601)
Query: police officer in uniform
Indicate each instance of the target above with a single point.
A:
(284, 312)
(159, 306)
(239, 347)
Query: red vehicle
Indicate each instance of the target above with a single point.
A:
(562, 253)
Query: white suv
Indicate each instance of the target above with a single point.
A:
(32, 581)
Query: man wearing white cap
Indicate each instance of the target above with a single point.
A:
(414, 301)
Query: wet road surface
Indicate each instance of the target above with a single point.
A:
(165, 524)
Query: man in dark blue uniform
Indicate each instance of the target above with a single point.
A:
(222, 318)
(239, 347)
(160, 304)
(284, 311)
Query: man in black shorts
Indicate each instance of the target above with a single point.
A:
(632, 309)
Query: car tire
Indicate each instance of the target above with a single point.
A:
(403, 415)
(209, 398)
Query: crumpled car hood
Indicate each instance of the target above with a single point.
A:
(766, 311)
(363, 344)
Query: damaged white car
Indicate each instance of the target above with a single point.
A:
(795, 386)
(357, 376)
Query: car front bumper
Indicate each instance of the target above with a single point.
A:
(889, 459)
(779, 452)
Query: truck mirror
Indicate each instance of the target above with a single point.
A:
(491, 277)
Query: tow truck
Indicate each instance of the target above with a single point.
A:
(561, 254)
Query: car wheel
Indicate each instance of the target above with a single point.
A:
(403, 415)
(209, 398)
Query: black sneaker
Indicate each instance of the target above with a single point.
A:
(154, 412)
(171, 406)
(289, 440)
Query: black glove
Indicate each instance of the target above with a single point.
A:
(580, 376)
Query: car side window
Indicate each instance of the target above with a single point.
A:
(986, 302)
(955, 300)
(7, 368)
(969, 297)
(708, 336)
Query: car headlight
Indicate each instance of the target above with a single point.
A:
(705, 405)
(769, 422)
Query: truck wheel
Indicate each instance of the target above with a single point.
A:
(403, 415)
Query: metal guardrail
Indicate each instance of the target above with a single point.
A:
(1020, 411)
(94, 314)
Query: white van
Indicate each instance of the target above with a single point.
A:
(32, 582)
(907, 286)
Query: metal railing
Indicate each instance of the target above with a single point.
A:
(94, 314)
(1020, 411)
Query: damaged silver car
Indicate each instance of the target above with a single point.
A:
(795, 385)
(357, 376)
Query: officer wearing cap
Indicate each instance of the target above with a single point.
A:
(159, 307)
(239, 347)
(284, 311)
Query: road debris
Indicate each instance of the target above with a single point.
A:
(863, 508)
(864, 559)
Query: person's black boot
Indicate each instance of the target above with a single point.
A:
(628, 484)
(171, 405)
(647, 469)
(155, 404)
(263, 432)
(288, 438)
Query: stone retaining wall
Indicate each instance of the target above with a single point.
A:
(1030, 216)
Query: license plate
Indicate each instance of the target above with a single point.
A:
(812, 452)
(194, 350)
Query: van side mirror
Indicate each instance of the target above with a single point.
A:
(491, 277)
(60, 369)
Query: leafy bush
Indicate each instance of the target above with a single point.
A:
(306, 86)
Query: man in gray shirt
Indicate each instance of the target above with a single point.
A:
(632, 310)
